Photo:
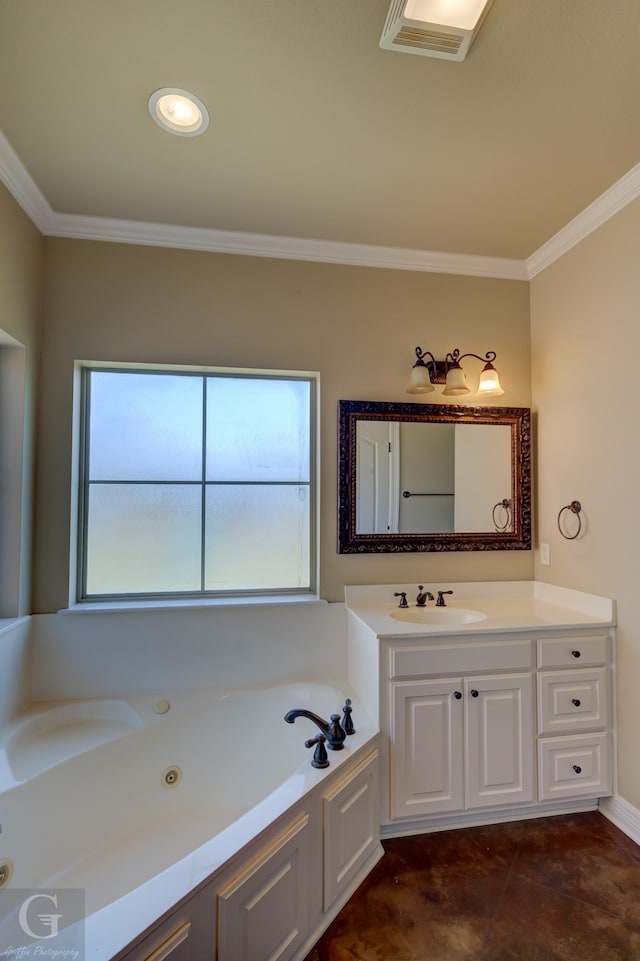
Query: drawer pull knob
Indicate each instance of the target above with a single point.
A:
(457, 695)
(575, 701)
(474, 693)
(575, 653)
(577, 769)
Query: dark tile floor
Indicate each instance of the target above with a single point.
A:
(564, 888)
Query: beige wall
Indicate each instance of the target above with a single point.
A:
(357, 326)
(21, 249)
(585, 355)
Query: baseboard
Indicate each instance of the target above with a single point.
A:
(624, 815)
(470, 819)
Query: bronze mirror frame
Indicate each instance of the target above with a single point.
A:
(518, 419)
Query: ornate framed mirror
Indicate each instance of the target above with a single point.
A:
(426, 477)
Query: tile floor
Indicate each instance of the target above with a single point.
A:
(564, 888)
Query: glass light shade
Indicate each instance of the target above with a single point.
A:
(463, 14)
(455, 383)
(419, 380)
(489, 384)
(178, 111)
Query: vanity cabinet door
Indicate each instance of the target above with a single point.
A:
(426, 754)
(499, 740)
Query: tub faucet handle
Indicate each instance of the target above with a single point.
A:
(347, 720)
(403, 598)
(320, 756)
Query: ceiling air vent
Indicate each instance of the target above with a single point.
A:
(433, 28)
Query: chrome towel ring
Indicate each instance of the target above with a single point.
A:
(575, 507)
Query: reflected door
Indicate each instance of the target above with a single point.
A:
(377, 477)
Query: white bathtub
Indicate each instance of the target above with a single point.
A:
(85, 802)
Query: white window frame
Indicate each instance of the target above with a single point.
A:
(78, 594)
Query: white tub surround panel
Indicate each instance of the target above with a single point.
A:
(494, 707)
(104, 653)
(16, 665)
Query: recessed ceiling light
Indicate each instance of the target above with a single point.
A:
(178, 111)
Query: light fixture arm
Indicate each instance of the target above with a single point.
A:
(456, 357)
(421, 354)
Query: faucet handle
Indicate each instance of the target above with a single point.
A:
(441, 602)
(320, 756)
(347, 720)
(403, 598)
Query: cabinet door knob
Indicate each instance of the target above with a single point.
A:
(575, 702)
(577, 769)
(457, 695)
(575, 653)
(474, 693)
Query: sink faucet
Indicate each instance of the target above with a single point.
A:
(441, 602)
(422, 599)
(332, 730)
(403, 598)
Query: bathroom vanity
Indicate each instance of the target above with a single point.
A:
(497, 706)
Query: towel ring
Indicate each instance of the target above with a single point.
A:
(506, 504)
(575, 507)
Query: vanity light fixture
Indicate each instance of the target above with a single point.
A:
(178, 111)
(434, 28)
(426, 373)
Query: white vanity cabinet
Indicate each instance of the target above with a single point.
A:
(499, 706)
(460, 742)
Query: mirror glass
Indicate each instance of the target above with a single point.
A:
(417, 477)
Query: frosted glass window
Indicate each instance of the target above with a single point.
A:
(143, 538)
(194, 482)
(257, 535)
(257, 430)
(145, 426)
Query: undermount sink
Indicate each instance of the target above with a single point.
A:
(437, 615)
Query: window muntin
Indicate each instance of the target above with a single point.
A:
(196, 484)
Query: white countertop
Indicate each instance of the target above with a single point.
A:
(505, 606)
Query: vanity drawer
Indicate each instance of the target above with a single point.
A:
(573, 651)
(577, 766)
(573, 700)
(472, 658)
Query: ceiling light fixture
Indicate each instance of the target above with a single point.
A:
(178, 111)
(434, 28)
(449, 372)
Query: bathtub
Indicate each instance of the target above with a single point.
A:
(138, 801)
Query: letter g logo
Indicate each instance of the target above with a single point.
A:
(47, 921)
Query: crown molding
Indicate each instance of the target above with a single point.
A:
(23, 188)
(621, 193)
(283, 248)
